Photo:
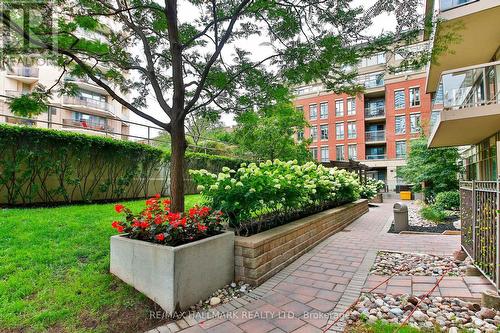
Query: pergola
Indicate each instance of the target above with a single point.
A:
(352, 166)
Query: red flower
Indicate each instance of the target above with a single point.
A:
(158, 219)
(115, 224)
(144, 225)
(202, 227)
(173, 216)
(157, 195)
(160, 237)
(119, 208)
(136, 224)
(119, 228)
(183, 222)
(192, 212)
(150, 202)
(166, 202)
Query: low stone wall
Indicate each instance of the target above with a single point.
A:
(259, 257)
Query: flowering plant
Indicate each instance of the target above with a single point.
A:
(371, 188)
(276, 190)
(156, 223)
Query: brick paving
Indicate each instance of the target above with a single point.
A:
(310, 293)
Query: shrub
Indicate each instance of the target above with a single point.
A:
(158, 225)
(275, 190)
(433, 213)
(371, 188)
(448, 200)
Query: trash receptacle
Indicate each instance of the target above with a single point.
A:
(405, 195)
(400, 217)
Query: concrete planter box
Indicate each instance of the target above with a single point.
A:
(174, 277)
(259, 257)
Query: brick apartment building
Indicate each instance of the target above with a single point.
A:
(374, 127)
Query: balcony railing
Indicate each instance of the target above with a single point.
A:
(372, 80)
(374, 111)
(72, 123)
(376, 156)
(373, 136)
(23, 71)
(471, 86)
(449, 4)
(13, 93)
(91, 103)
(83, 80)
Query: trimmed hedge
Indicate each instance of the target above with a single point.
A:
(52, 166)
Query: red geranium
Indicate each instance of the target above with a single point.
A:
(119, 208)
(160, 237)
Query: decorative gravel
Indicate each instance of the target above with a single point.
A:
(418, 223)
(450, 314)
(389, 263)
(224, 295)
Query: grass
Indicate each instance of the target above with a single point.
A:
(385, 327)
(54, 272)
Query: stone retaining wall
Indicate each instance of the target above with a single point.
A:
(259, 257)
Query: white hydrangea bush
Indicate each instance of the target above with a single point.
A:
(371, 188)
(276, 188)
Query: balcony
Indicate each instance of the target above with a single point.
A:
(376, 156)
(87, 103)
(471, 99)
(450, 4)
(88, 125)
(86, 83)
(375, 136)
(23, 73)
(13, 93)
(374, 111)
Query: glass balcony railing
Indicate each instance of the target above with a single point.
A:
(471, 87)
(372, 80)
(23, 71)
(449, 4)
(374, 111)
(376, 156)
(374, 136)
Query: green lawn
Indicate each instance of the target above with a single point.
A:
(54, 272)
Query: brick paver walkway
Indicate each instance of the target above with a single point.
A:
(309, 293)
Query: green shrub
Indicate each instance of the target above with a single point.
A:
(371, 188)
(448, 200)
(433, 213)
(277, 189)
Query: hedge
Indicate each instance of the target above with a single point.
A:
(52, 166)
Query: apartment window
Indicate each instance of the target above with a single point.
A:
(53, 110)
(325, 155)
(89, 119)
(399, 99)
(415, 96)
(300, 135)
(313, 111)
(339, 153)
(339, 131)
(300, 108)
(415, 123)
(324, 132)
(400, 125)
(434, 117)
(351, 130)
(351, 106)
(339, 108)
(90, 95)
(314, 153)
(352, 152)
(314, 133)
(437, 97)
(375, 59)
(323, 110)
(400, 149)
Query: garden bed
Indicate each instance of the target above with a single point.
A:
(418, 224)
(259, 257)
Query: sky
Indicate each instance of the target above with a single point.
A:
(382, 23)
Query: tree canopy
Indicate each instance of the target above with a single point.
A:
(204, 59)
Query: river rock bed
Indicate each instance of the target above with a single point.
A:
(389, 263)
(417, 223)
(224, 295)
(450, 314)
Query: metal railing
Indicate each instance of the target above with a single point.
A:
(13, 93)
(23, 71)
(374, 136)
(372, 112)
(376, 156)
(76, 100)
(479, 204)
(89, 125)
(371, 80)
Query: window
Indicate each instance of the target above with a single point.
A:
(351, 130)
(353, 152)
(339, 108)
(325, 155)
(415, 96)
(375, 59)
(300, 108)
(339, 153)
(415, 123)
(324, 132)
(300, 135)
(313, 111)
(351, 106)
(399, 99)
(437, 97)
(400, 149)
(435, 115)
(314, 153)
(339, 131)
(314, 133)
(323, 110)
(400, 126)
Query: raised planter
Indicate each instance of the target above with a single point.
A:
(259, 257)
(378, 198)
(174, 277)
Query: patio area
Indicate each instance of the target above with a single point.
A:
(311, 293)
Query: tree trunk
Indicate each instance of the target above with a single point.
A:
(179, 146)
